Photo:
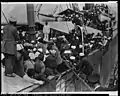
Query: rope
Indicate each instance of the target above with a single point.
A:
(55, 9)
(61, 77)
(39, 7)
(66, 22)
(67, 6)
(68, 83)
(36, 6)
(70, 5)
(82, 80)
(5, 17)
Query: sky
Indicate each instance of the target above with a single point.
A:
(19, 10)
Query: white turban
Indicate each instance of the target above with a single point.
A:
(80, 46)
(86, 44)
(81, 54)
(37, 54)
(19, 47)
(73, 47)
(1, 31)
(32, 56)
(72, 57)
(2, 56)
(23, 33)
(2, 27)
(38, 38)
(47, 51)
(91, 45)
(34, 49)
(67, 51)
(40, 49)
(92, 41)
(32, 41)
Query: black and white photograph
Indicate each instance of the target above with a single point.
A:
(79, 39)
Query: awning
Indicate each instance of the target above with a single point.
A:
(69, 11)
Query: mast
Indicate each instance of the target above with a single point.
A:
(31, 22)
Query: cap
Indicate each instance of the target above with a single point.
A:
(12, 19)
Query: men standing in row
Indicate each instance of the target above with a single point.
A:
(46, 31)
(10, 36)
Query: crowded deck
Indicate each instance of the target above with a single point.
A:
(70, 51)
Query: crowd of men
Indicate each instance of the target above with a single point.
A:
(40, 59)
(36, 58)
(33, 60)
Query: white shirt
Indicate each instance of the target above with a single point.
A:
(46, 29)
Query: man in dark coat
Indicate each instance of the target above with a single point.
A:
(10, 36)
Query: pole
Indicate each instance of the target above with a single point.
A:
(31, 22)
(82, 38)
(82, 41)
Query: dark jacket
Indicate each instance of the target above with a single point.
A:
(54, 61)
(10, 37)
(50, 62)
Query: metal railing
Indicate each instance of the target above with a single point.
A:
(69, 79)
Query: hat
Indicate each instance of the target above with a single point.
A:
(12, 19)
